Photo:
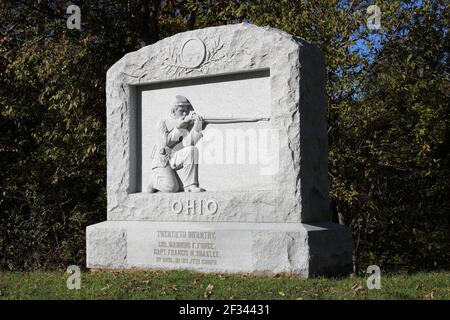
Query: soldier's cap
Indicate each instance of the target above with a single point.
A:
(181, 101)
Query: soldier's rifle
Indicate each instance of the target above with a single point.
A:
(225, 120)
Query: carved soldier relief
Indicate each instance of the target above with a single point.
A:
(217, 157)
(175, 157)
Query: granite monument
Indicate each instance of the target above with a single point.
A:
(217, 158)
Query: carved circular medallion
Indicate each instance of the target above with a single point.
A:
(193, 53)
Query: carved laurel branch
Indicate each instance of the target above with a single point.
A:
(173, 65)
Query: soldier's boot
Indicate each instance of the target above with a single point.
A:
(193, 188)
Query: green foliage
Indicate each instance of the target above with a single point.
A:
(388, 118)
(188, 285)
(390, 167)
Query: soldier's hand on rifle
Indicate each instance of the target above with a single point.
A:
(198, 122)
(184, 122)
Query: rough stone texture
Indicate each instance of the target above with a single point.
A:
(298, 107)
(336, 259)
(268, 248)
(257, 206)
(284, 229)
(105, 246)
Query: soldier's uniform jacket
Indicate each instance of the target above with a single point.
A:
(170, 140)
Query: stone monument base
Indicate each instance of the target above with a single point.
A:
(230, 247)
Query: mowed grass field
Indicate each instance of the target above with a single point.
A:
(192, 285)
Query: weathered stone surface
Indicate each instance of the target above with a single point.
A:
(297, 106)
(330, 249)
(106, 246)
(255, 206)
(304, 249)
(281, 224)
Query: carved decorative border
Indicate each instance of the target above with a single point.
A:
(173, 62)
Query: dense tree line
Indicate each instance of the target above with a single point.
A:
(388, 117)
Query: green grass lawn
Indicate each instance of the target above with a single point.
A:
(191, 285)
